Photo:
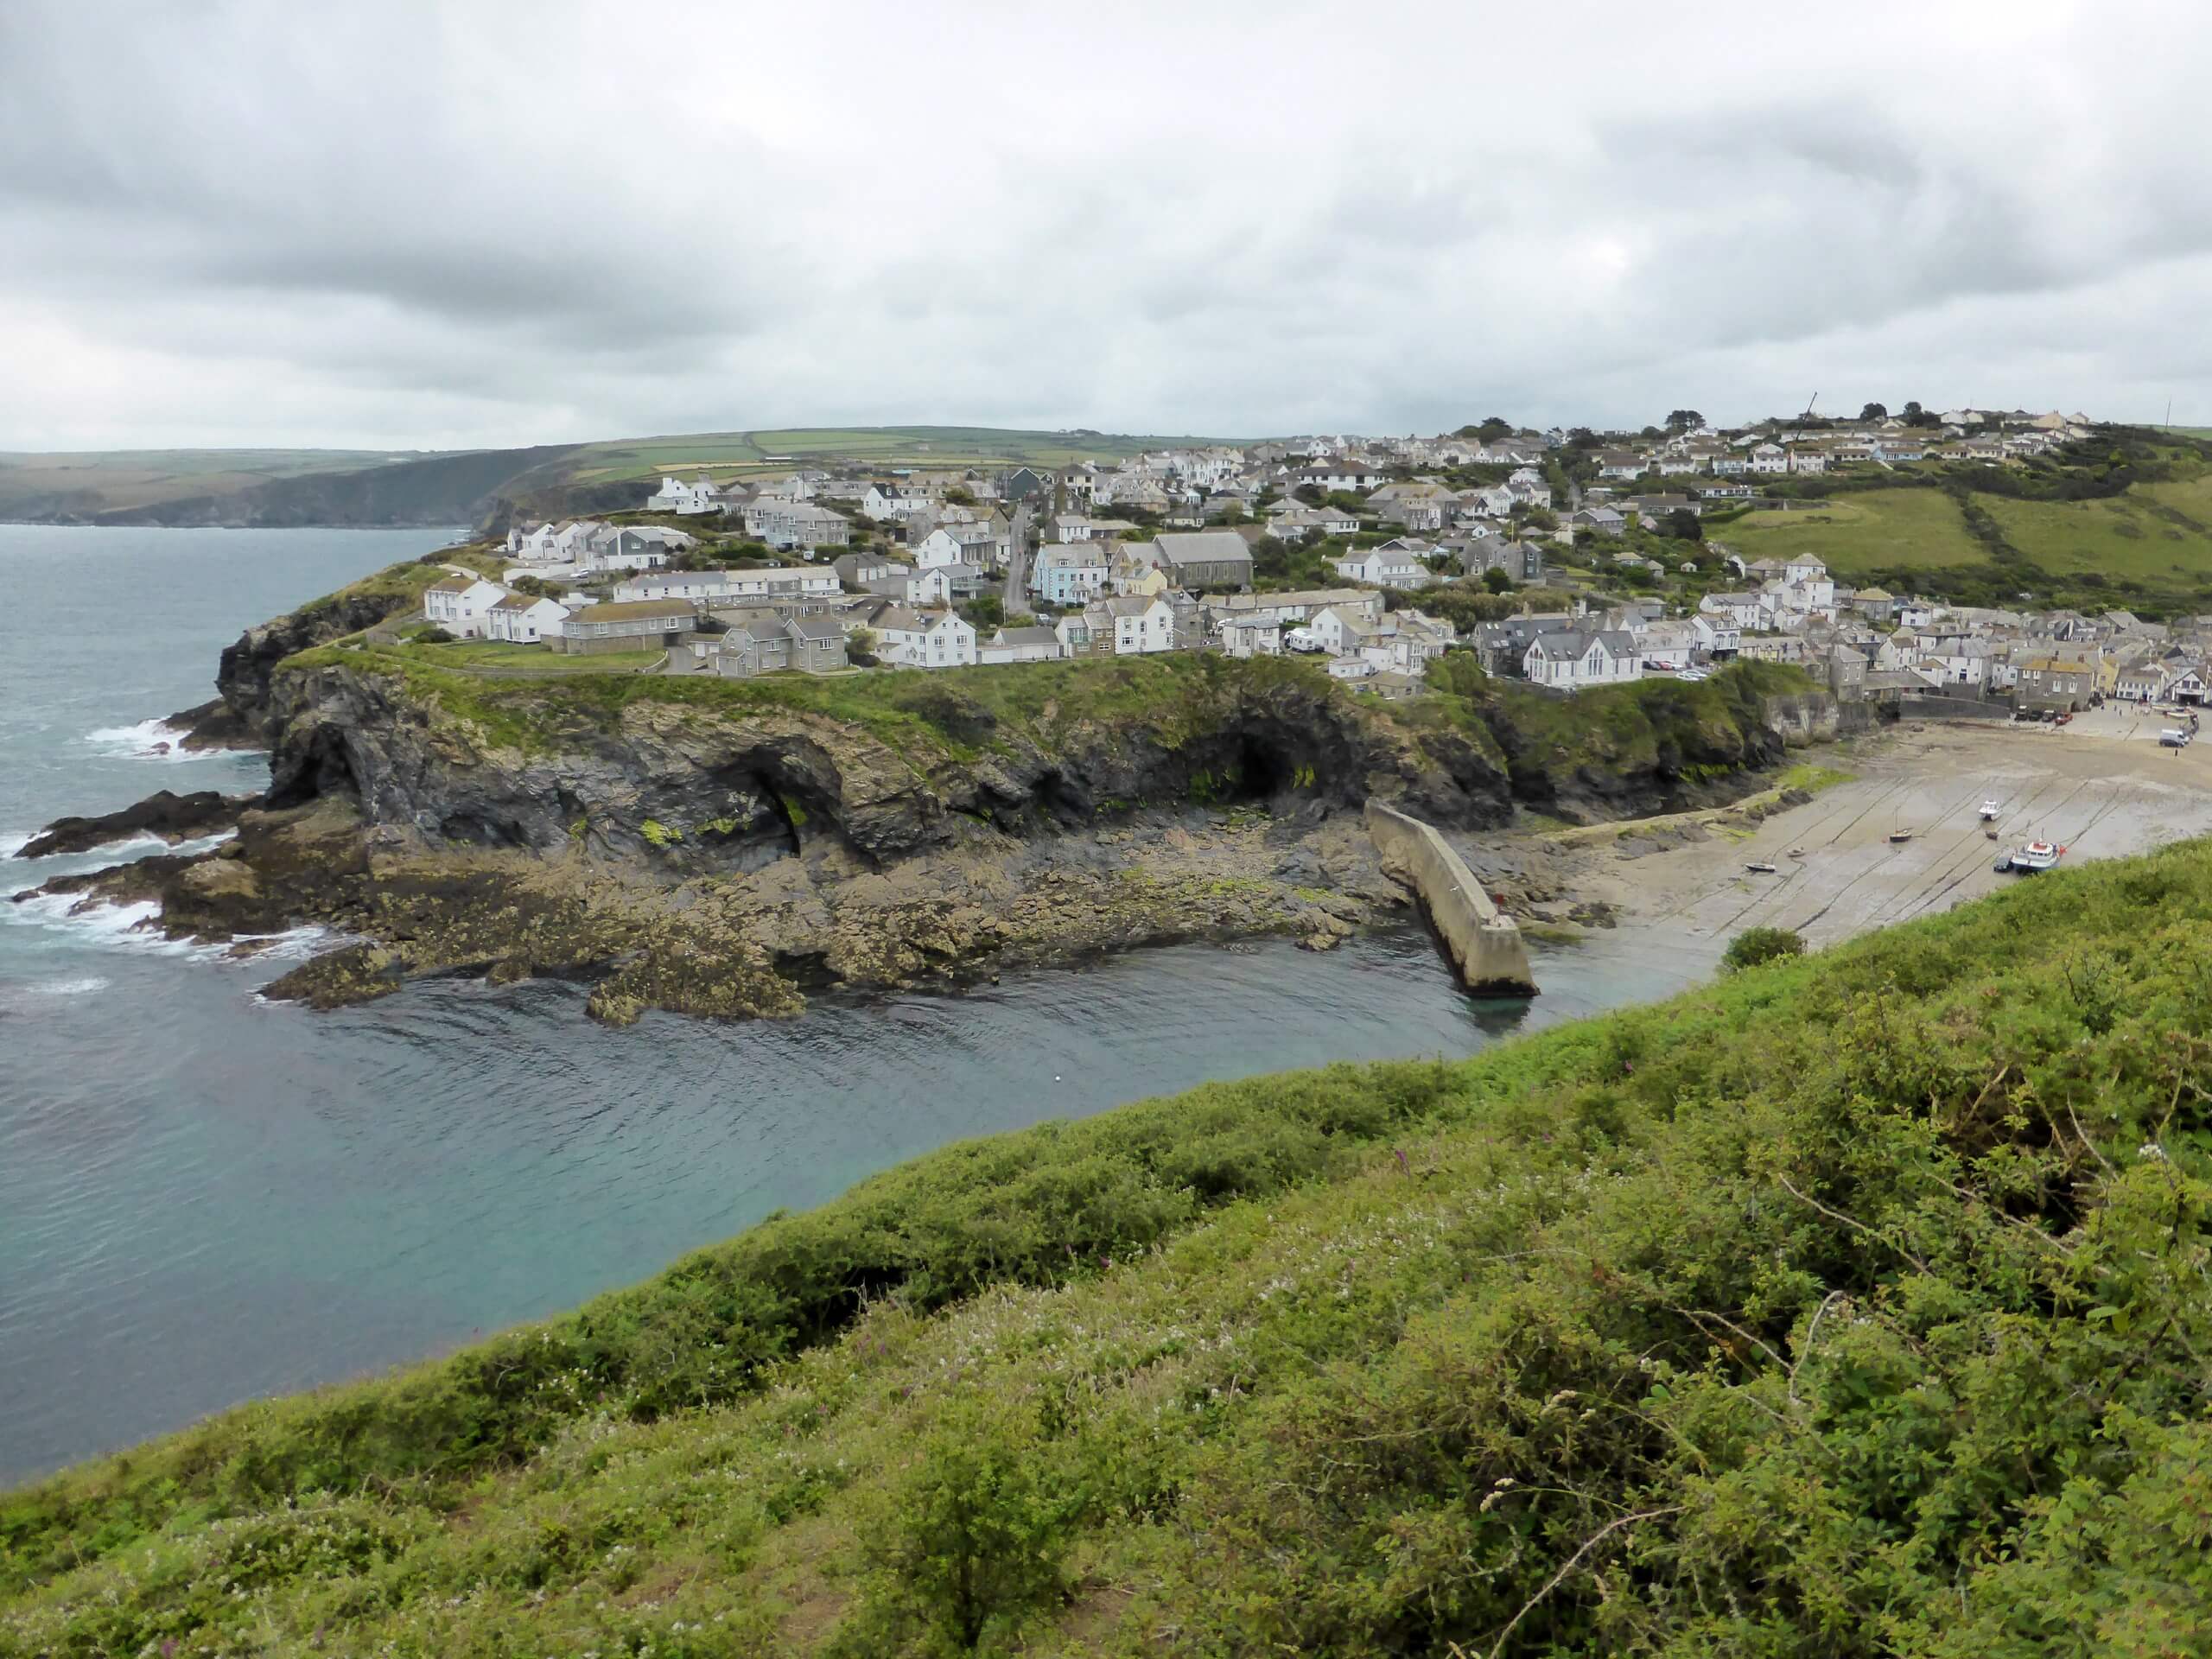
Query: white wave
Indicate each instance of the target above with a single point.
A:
(16, 877)
(292, 944)
(11, 844)
(143, 741)
(84, 987)
(126, 927)
(204, 844)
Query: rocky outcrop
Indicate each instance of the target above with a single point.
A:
(169, 816)
(237, 717)
(689, 787)
(727, 850)
(1658, 761)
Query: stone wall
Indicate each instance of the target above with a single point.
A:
(1485, 943)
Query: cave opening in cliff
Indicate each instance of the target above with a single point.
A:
(1263, 766)
(318, 768)
(761, 822)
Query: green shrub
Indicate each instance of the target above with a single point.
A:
(1756, 944)
(977, 1530)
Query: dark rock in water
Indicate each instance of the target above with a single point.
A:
(173, 818)
(214, 725)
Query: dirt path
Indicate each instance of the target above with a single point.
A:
(2098, 797)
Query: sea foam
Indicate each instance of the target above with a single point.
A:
(142, 741)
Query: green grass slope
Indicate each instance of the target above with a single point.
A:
(1978, 535)
(1855, 1305)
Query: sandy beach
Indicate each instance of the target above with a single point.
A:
(2102, 787)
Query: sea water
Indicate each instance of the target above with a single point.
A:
(204, 1197)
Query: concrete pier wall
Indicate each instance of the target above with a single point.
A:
(1485, 943)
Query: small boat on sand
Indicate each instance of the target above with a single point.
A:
(1796, 852)
(1760, 868)
(1989, 810)
(2032, 859)
(1900, 834)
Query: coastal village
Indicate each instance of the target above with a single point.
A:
(1567, 560)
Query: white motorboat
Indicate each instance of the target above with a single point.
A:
(2032, 859)
(1989, 810)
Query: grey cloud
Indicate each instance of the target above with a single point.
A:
(242, 220)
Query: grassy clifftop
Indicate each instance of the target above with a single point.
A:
(1856, 1305)
(1645, 737)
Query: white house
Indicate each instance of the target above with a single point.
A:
(894, 501)
(768, 581)
(1137, 623)
(909, 638)
(1733, 610)
(521, 621)
(1667, 641)
(1769, 458)
(1808, 461)
(676, 496)
(1716, 635)
(1394, 564)
(1252, 637)
(915, 587)
(1340, 628)
(459, 604)
(1342, 474)
(631, 547)
(1572, 659)
(940, 546)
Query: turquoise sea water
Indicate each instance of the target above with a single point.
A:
(204, 1197)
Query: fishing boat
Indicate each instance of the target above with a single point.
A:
(1989, 810)
(2032, 859)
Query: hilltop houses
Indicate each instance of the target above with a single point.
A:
(1114, 556)
(676, 496)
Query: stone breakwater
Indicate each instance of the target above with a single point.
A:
(1482, 942)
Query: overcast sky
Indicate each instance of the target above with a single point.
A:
(388, 224)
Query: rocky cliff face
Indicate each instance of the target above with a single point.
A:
(725, 849)
(1661, 760)
(237, 716)
(689, 787)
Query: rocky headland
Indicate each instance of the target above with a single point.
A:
(728, 848)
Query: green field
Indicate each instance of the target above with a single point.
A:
(2151, 546)
(1855, 1305)
(880, 446)
(1855, 534)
